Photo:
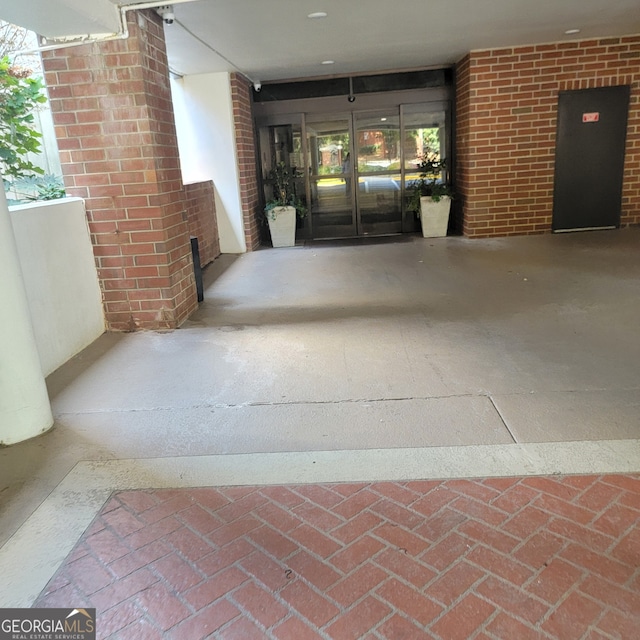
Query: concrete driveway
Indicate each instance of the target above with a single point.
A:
(480, 357)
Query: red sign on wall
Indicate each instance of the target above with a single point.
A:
(591, 117)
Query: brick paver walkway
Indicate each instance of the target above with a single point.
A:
(512, 559)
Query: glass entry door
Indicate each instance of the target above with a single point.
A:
(361, 197)
(332, 206)
(357, 169)
(378, 172)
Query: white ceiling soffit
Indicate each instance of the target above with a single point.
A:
(274, 39)
(60, 18)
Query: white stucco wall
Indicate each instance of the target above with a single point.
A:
(206, 139)
(60, 278)
(25, 411)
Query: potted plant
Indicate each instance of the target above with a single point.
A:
(282, 208)
(430, 197)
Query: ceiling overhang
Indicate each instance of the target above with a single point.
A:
(63, 18)
(271, 40)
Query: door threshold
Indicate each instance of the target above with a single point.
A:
(585, 229)
(360, 240)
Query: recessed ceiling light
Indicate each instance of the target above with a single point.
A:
(383, 119)
(317, 14)
(328, 62)
(571, 32)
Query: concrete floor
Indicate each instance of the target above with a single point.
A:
(407, 343)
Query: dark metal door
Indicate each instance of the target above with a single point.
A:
(591, 135)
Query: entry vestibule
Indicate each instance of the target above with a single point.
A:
(356, 157)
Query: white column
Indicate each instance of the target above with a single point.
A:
(203, 108)
(25, 410)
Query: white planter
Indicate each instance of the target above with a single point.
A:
(282, 226)
(434, 216)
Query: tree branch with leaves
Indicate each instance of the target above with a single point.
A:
(20, 95)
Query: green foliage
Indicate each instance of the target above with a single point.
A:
(19, 96)
(391, 138)
(329, 170)
(282, 180)
(45, 187)
(429, 183)
(368, 149)
(431, 138)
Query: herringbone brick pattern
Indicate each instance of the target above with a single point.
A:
(509, 559)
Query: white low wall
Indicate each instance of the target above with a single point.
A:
(60, 278)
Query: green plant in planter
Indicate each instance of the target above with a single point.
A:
(282, 179)
(427, 184)
(44, 187)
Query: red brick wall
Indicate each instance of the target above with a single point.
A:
(113, 114)
(201, 217)
(247, 159)
(506, 126)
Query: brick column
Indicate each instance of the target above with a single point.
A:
(247, 159)
(201, 217)
(113, 113)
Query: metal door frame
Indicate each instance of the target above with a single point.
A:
(351, 117)
(356, 181)
(312, 110)
(345, 115)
